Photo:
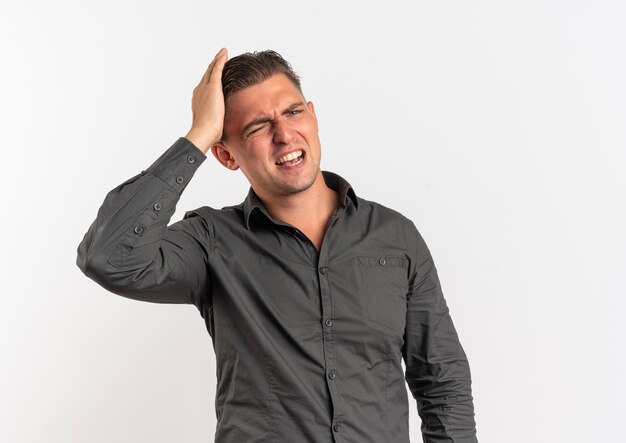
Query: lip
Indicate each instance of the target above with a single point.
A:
(295, 167)
(289, 152)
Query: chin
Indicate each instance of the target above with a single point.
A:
(294, 188)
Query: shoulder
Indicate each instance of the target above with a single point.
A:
(378, 212)
(209, 213)
(380, 218)
(212, 218)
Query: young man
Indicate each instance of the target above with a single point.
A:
(312, 296)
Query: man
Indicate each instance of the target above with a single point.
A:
(312, 296)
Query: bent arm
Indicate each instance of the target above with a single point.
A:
(437, 370)
(130, 250)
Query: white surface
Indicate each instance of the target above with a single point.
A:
(498, 127)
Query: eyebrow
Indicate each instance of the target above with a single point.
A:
(264, 119)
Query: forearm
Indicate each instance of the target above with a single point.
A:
(441, 384)
(437, 369)
(128, 248)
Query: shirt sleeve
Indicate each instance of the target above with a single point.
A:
(437, 370)
(131, 251)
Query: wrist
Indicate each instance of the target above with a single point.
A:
(202, 139)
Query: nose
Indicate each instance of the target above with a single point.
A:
(282, 132)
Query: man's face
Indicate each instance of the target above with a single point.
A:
(265, 126)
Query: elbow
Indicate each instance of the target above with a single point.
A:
(94, 264)
(136, 281)
(98, 269)
(84, 260)
(87, 255)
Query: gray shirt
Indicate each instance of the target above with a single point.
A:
(308, 344)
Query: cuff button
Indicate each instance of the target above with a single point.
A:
(191, 159)
(157, 206)
(179, 179)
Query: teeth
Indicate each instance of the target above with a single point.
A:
(290, 156)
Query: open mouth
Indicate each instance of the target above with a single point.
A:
(292, 159)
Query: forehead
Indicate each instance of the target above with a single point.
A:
(263, 99)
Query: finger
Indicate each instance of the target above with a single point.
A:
(216, 73)
(207, 73)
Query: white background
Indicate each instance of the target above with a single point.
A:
(496, 126)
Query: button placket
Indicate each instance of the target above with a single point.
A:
(329, 341)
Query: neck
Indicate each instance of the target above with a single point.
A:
(307, 210)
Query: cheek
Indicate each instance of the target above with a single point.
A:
(311, 136)
(309, 127)
(257, 146)
(256, 154)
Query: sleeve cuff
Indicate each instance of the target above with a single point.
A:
(178, 164)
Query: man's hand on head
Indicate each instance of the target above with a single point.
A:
(207, 105)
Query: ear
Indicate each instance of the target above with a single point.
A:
(224, 156)
(312, 109)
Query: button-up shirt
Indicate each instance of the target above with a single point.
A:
(309, 344)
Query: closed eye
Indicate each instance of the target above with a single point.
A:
(255, 130)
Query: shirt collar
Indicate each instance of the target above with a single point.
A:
(333, 181)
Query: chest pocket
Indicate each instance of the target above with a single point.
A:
(382, 286)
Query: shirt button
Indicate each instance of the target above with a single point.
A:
(138, 229)
(337, 427)
(323, 270)
(382, 261)
(329, 323)
(191, 159)
(179, 179)
(157, 206)
(332, 375)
